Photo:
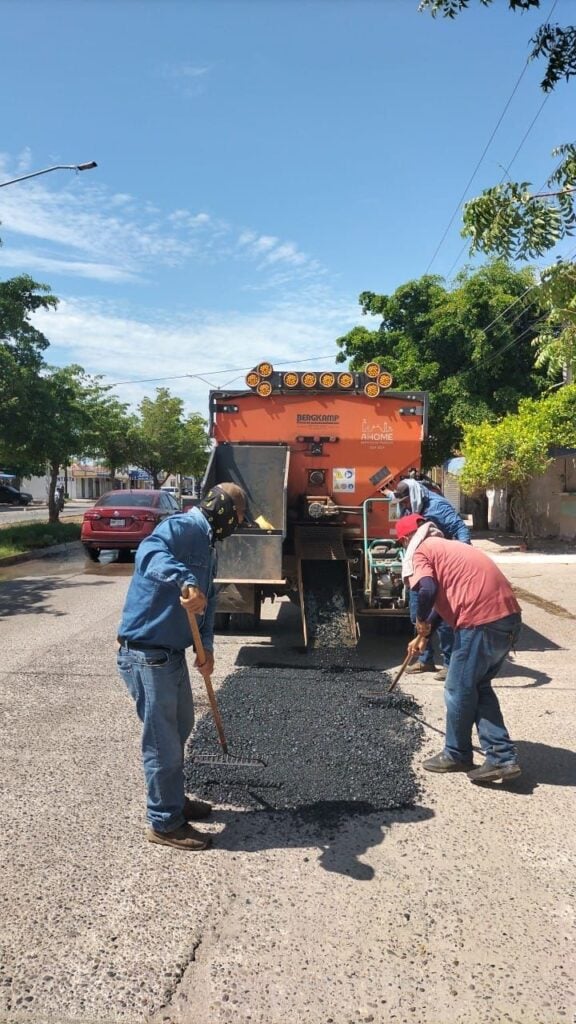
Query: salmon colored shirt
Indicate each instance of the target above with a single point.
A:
(471, 589)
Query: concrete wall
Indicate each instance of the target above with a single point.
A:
(554, 499)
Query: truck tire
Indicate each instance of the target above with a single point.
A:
(221, 622)
(92, 553)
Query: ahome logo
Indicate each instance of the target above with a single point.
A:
(306, 417)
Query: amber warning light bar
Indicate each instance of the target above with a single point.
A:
(265, 380)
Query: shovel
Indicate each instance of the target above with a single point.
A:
(225, 758)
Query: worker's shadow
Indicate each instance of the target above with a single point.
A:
(512, 670)
(542, 765)
(342, 832)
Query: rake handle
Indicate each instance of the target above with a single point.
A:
(400, 672)
(201, 655)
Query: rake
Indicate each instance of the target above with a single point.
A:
(224, 759)
(378, 694)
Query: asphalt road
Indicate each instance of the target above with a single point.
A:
(456, 911)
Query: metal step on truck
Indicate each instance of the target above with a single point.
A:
(315, 452)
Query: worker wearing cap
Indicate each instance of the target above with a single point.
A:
(153, 636)
(415, 497)
(460, 584)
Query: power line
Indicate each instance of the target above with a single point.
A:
(484, 151)
(506, 170)
(212, 373)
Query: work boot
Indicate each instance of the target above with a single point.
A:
(418, 668)
(442, 762)
(441, 673)
(183, 838)
(195, 810)
(490, 772)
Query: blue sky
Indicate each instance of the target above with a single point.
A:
(260, 163)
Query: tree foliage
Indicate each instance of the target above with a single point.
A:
(510, 219)
(511, 452)
(469, 346)
(556, 343)
(166, 442)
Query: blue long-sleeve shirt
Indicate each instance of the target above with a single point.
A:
(439, 511)
(178, 552)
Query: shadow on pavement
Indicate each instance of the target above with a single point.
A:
(511, 669)
(542, 765)
(342, 832)
(32, 596)
(531, 640)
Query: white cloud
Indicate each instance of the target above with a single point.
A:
(219, 349)
(87, 231)
(186, 79)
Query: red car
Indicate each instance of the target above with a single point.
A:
(121, 519)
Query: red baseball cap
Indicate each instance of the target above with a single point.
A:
(407, 525)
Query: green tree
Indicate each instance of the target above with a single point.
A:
(61, 427)
(510, 453)
(166, 442)
(556, 343)
(112, 430)
(469, 346)
(21, 358)
(511, 219)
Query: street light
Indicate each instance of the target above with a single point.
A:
(58, 167)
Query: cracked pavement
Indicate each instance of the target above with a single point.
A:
(459, 910)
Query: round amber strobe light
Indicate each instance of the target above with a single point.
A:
(345, 380)
(309, 380)
(264, 388)
(265, 369)
(290, 380)
(252, 379)
(385, 379)
(327, 380)
(372, 390)
(372, 370)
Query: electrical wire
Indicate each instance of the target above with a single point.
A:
(484, 151)
(212, 373)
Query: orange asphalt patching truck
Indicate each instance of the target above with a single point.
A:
(314, 452)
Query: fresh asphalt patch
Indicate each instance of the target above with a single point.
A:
(323, 745)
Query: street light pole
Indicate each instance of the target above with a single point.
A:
(58, 167)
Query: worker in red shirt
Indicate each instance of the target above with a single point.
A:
(461, 585)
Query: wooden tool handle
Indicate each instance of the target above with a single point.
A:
(400, 672)
(201, 655)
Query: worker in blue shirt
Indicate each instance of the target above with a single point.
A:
(415, 498)
(153, 635)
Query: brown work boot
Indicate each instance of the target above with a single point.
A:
(489, 772)
(195, 810)
(441, 673)
(443, 763)
(183, 838)
(418, 668)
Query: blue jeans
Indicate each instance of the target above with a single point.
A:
(444, 632)
(477, 657)
(158, 681)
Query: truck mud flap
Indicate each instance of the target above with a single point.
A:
(325, 590)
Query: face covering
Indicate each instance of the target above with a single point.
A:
(220, 511)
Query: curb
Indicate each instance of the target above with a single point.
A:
(34, 553)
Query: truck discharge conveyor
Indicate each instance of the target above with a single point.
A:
(325, 589)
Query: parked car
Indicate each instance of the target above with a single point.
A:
(119, 520)
(12, 496)
(174, 491)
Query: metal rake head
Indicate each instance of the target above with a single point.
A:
(228, 760)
